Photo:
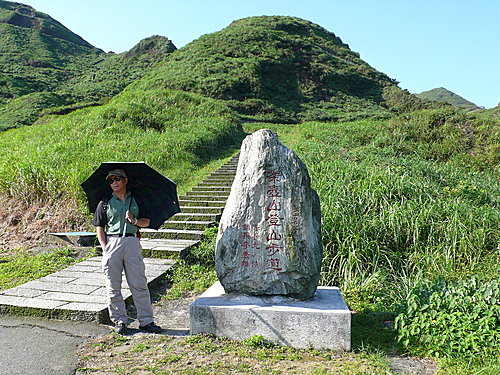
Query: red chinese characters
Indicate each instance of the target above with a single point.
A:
(249, 243)
(274, 220)
(265, 244)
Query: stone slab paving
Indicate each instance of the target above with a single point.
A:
(77, 292)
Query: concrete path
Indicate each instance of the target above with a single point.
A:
(75, 293)
(34, 346)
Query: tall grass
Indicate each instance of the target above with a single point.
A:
(392, 220)
(172, 131)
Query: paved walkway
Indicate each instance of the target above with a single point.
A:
(30, 346)
(75, 293)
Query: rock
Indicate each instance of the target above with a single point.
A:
(269, 239)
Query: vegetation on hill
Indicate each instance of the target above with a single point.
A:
(398, 217)
(443, 95)
(409, 189)
(281, 69)
(173, 131)
(45, 64)
(22, 15)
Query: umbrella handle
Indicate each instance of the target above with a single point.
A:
(125, 225)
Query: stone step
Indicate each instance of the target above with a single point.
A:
(202, 210)
(220, 176)
(187, 224)
(192, 202)
(220, 193)
(211, 188)
(232, 165)
(166, 248)
(200, 198)
(226, 169)
(217, 182)
(200, 214)
(223, 173)
(172, 234)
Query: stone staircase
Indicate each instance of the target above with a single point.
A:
(78, 292)
(201, 208)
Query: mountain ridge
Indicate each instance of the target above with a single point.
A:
(269, 68)
(285, 69)
(441, 94)
(46, 66)
(23, 15)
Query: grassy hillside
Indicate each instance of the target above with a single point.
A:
(174, 132)
(37, 51)
(25, 16)
(45, 65)
(443, 95)
(412, 232)
(410, 202)
(282, 69)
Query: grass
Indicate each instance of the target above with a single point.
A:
(176, 133)
(202, 354)
(44, 69)
(399, 209)
(391, 219)
(195, 273)
(406, 201)
(23, 265)
(394, 215)
(281, 69)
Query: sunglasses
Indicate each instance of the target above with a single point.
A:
(111, 179)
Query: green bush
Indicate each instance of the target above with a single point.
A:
(454, 320)
(392, 220)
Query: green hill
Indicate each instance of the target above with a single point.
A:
(22, 15)
(443, 95)
(280, 69)
(409, 196)
(43, 65)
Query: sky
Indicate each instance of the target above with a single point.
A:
(423, 44)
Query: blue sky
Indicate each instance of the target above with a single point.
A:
(423, 44)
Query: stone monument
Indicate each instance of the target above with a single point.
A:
(269, 240)
(268, 257)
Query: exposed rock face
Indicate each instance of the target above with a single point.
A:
(269, 240)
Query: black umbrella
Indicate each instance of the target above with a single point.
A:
(154, 193)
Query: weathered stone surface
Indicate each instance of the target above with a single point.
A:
(269, 240)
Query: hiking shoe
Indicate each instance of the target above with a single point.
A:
(151, 328)
(120, 328)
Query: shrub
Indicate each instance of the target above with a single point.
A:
(452, 319)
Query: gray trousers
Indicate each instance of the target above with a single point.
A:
(124, 254)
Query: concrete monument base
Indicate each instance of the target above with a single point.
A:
(322, 322)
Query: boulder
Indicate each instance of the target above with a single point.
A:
(269, 239)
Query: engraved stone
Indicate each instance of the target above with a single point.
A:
(269, 239)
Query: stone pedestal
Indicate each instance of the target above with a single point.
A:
(322, 322)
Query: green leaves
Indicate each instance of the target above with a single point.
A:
(455, 320)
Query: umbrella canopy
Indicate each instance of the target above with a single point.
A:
(154, 193)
